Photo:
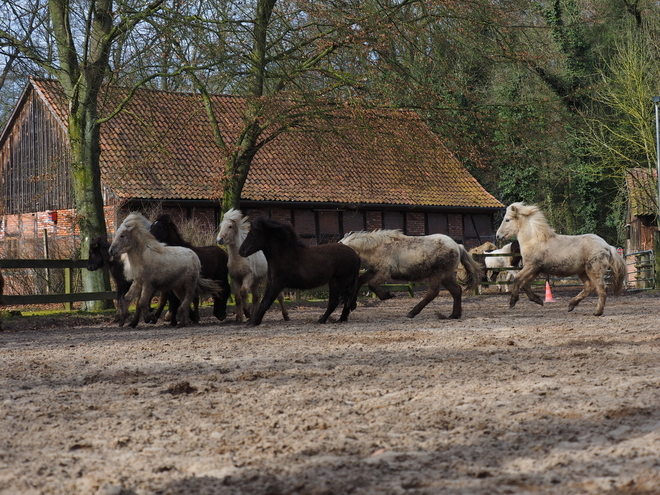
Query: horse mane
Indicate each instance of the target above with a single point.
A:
(365, 240)
(165, 218)
(283, 231)
(139, 226)
(535, 218)
(241, 221)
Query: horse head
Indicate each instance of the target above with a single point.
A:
(527, 220)
(233, 228)
(510, 223)
(265, 233)
(98, 253)
(133, 233)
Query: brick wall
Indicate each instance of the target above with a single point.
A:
(415, 224)
(455, 225)
(374, 220)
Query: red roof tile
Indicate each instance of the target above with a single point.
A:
(161, 147)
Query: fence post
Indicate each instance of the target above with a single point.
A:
(67, 287)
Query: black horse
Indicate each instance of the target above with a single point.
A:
(213, 259)
(293, 265)
(98, 257)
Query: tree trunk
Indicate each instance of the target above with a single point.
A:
(88, 200)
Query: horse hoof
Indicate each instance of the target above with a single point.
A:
(286, 318)
(454, 317)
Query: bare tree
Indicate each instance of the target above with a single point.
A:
(83, 35)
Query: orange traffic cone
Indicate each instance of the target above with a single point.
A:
(548, 293)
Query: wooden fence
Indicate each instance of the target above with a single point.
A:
(68, 297)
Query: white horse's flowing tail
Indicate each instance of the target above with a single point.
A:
(473, 270)
(207, 287)
(618, 267)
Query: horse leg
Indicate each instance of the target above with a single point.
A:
(333, 300)
(285, 312)
(123, 304)
(194, 315)
(456, 293)
(254, 292)
(601, 289)
(588, 289)
(164, 296)
(173, 307)
(524, 278)
(242, 309)
(431, 294)
(145, 305)
(268, 298)
(372, 280)
(186, 295)
(220, 301)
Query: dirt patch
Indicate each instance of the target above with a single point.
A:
(524, 400)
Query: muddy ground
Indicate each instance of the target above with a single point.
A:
(503, 401)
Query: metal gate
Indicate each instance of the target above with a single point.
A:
(640, 267)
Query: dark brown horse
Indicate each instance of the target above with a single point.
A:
(119, 268)
(293, 265)
(213, 258)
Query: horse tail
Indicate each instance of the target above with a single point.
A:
(619, 271)
(474, 271)
(207, 287)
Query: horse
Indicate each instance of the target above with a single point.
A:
(493, 263)
(544, 251)
(156, 266)
(120, 268)
(294, 265)
(390, 255)
(481, 249)
(246, 274)
(213, 259)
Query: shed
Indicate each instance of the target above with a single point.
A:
(355, 169)
(642, 211)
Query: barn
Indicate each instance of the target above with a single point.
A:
(352, 170)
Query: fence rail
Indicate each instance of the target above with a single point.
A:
(68, 297)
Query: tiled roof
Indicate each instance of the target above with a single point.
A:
(161, 147)
(642, 191)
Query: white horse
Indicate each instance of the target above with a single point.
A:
(544, 251)
(390, 255)
(154, 267)
(246, 274)
(497, 265)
